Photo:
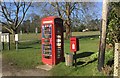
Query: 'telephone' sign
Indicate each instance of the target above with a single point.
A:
(46, 22)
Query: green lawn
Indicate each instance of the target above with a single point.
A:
(85, 33)
(33, 36)
(84, 68)
(29, 56)
(25, 37)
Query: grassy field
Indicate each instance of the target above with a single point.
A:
(85, 33)
(29, 56)
(32, 36)
(26, 37)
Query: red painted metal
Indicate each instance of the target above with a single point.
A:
(74, 44)
(52, 40)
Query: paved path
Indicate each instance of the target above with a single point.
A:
(30, 72)
(9, 70)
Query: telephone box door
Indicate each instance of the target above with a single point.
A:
(47, 43)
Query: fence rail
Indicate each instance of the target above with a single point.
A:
(26, 37)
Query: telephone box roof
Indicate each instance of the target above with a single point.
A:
(50, 17)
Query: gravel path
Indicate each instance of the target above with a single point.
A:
(9, 70)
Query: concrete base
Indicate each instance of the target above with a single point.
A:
(45, 67)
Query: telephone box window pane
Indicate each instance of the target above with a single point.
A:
(47, 32)
(47, 50)
(43, 36)
(58, 42)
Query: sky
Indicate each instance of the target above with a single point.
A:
(98, 11)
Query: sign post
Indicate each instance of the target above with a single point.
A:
(8, 41)
(36, 30)
(16, 41)
(2, 41)
(74, 47)
(5, 37)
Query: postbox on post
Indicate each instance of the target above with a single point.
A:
(74, 44)
(52, 40)
(74, 47)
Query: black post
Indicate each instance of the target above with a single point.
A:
(75, 59)
(8, 45)
(2, 45)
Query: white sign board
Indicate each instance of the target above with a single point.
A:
(44, 22)
(5, 37)
(36, 30)
(2, 38)
(16, 37)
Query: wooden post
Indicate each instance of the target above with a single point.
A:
(16, 41)
(117, 60)
(103, 36)
(2, 45)
(8, 41)
(2, 41)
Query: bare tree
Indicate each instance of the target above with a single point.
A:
(64, 11)
(13, 14)
(68, 10)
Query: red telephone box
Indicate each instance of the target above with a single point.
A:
(74, 44)
(52, 40)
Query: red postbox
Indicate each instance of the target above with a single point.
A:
(74, 44)
(52, 40)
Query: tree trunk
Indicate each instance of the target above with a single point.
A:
(102, 45)
(13, 33)
(68, 29)
(68, 21)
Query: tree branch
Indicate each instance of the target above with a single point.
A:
(24, 12)
(5, 13)
(5, 26)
